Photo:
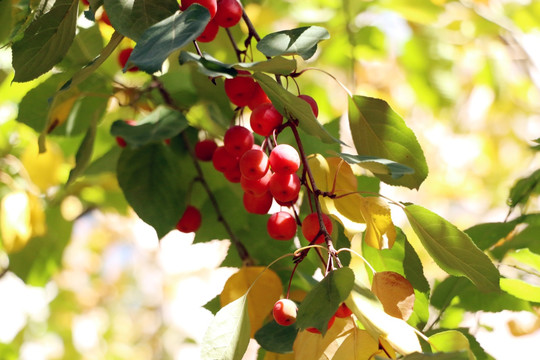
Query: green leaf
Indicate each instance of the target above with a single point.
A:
(6, 19)
(452, 249)
(85, 47)
(276, 65)
(461, 355)
(213, 305)
(293, 107)
(132, 17)
(377, 165)
(208, 65)
(106, 163)
(527, 257)
(524, 188)
(302, 41)
(45, 41)
(321, 303)
(42, 256)
(168, 35)
(487, 234)
(521, 289)
(451, 341)
(150, 177)
(227, 337)
(276, 338)
(84, 153)
(380, 132)
(161, 124)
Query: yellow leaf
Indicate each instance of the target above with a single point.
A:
(275, 356)
(43, 169)
(320, 170)
(262, 296)
(376, 213)
(15, 221)
(395, 293)
(340, 176)
(38, 223)
(60, 109)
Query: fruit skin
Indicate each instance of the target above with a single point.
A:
(190, 220)
(233, 175)
(259, 97)
(123, 57)
(257, 204)
(330, 323)
(284, 187)
(285, 312)
(256, 187)
(209, 33)
(264, 119)
(311, 101)
(223, 160)
(238, 140)
(310, 227)
(241, 89)
(281, 226)
(343, 311)
(229, 13)
(284, 159)
(254, 164)
(204, 149)
(210, 5)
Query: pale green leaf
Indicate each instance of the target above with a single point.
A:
(302, 41)
(521, 289)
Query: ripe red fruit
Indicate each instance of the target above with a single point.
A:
(256, 187)
(211, 5)
(284, 187)
(259, 97)
(264, 119)
(85, 2)
(284, 312)
(223, 160)
(257, 204)
(105, 18)
(120, 140)
(123, 57)
(229, 13)
(330, 323)
(343, 311)
(238, 140)
(240, 89)
(311, 101)
(190, 220)
(310, 227)
(287, 203)
(204, 149)
(233, 175)
(284, 159)
(281, 226)
(209, 33)
(254, 164)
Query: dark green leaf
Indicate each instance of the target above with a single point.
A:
(84, 154)
(452, 249)
(163, 123)
(293, 107)
(380, 132)
(487, 234)
(321, 303)
(6, 19)
(132, 17)
(275, 65)
(276, 338)
(378, 166)
(105, 163)
(302, 41)
(86, 46)
(150, 177)
(537, 146)
(213, 305)
(168, 35)
(524, 188)
(45, 41)
(208, 65)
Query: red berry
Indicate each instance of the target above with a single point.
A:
(256, 187)
(284, 159)
(254, 164)
(284, 312)
(284, 187)
(123, 57)
(240, 89)
(281, 226)
(85, 2)
(287, 203)
(204, 150)
(330, 323)
(257, 204)
(209, 33)
(223, 160)
(229, 13)
(343, 311)
(233, 175)
(310, 227)
(264, 119)
(259, 97)
(211, 5)
(105, 18)
(311, 101)
(190, 220)
(238, 140)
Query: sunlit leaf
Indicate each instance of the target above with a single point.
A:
(376, 213)
(452, 249)
(524, 188)
(44, 169)
(208, 65)
(462, 355)
(84, 153)
(15, 226)
(302, 41)
(275, 65)
(526, 256)
(451, 341)
(521, 289)
(227, 337)
(378, 165)
(395, 293)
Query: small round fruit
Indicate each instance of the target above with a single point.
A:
(316, 331)
(238, 140)
(259, 97)
(190, 220)
(281, 226)
(210, 5)
(284, 159)
(343, 311)
(310, 227)
(257, 204)
(311, 101)
(241, 89)
(233, 175)
(204, 149)
(264, 119)
(284, 187)
(209, 33)
(285, 312)
(223, 160)
(123, 57)
(256, 187)
(254, 164)
(229, 13)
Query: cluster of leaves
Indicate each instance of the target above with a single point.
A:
(158, 180)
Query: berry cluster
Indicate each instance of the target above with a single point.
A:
(223, 13)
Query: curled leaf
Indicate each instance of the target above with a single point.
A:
(395, 293)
